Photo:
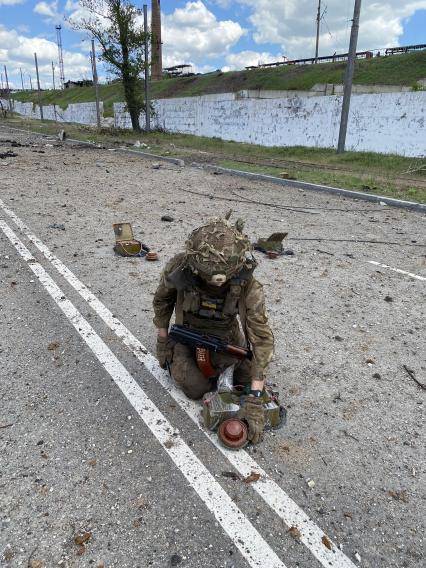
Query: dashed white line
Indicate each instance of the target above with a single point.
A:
(275, 497)
(410, 274)
(245, 537)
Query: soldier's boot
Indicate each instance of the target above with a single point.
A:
(187, 375)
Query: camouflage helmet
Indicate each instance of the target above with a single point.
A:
(217, 248)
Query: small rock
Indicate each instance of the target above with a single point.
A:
(377, 376)
(37, 564)
(388, 299)
(175, 560)
(167, 218)
(357, 557)
(82, 538)
(295, 533)
(338, 338)
(311, 483)
(156, 166)
(327, 542)
(59, 226)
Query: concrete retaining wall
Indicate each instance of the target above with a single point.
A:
(384, 122)
(81, 113)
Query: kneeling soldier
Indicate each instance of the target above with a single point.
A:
(213, 291)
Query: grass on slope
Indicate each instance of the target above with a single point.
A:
(404, 69)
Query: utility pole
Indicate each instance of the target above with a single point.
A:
(38, 87)
(95, 82)
(156, 46)
(348, 78)
(53, 75)
(22, 79)
(8, 92)
(318, 30)
(147, 101)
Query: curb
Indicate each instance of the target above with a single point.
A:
(412, 205)
(72, 141)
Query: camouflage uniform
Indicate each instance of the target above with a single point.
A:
(184, 288)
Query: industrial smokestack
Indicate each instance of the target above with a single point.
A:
(156, 50)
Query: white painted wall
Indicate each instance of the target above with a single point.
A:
(381, 122)
(81, 113)
(384, 122)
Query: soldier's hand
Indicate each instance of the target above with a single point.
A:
(253, 413)
(165, 347)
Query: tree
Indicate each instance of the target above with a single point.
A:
(118, 28)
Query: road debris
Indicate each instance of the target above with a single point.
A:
(175, 560)
(83, 538)
(36, 564)
(399, 495)
(252, 477)
(167, 218)
(412, 375)
(7, 154)
(151, 256)
(125, 242)
(327, 542)
(231, 475)
(295, 533)
(58, 226)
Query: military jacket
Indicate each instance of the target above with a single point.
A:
(215, 310)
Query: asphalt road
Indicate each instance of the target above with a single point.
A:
(104, 462)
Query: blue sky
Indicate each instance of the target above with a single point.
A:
(210, 34)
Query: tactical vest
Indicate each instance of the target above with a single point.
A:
(205, 308)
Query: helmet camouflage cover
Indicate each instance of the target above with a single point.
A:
(217, 248)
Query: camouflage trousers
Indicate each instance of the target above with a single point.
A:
(190, 379)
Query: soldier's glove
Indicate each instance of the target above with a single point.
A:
(165, 347)
(253, 413)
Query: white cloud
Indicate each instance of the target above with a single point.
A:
(236, 61)
(193, 34)
(291, 24)
(17, 52)
(49, 10)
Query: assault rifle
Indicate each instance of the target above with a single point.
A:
(193, 338)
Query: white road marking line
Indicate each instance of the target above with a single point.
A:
(416, 276)
(245, 537)
(275, 497)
